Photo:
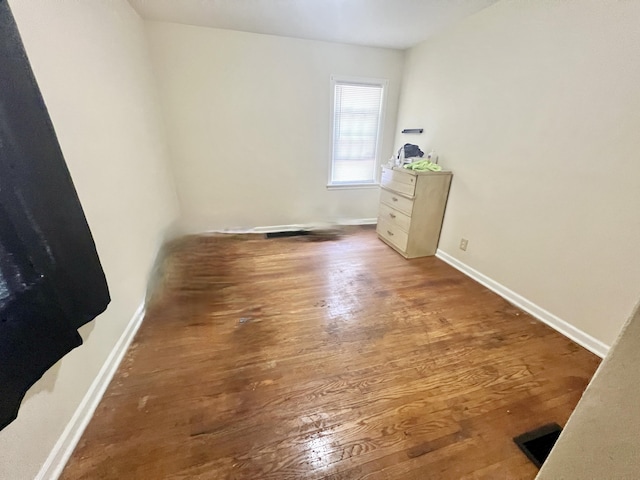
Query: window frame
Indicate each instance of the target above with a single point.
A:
(364, 81)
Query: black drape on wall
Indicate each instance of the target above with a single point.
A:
(51, 280)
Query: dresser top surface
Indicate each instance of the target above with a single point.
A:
(414, 173)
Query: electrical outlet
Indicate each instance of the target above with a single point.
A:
(463, 244)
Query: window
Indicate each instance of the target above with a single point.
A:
(357, 114)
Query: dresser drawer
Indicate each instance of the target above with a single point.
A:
(398, 181)
(392, 234)
(400, 176)
(394, 217)
(398, 202)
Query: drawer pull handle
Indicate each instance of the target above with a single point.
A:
(390, 232)
(392, 215)
(394, 199)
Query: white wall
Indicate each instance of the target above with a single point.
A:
(248, 124)
(91, 62)
(535, 107)
(602, 435)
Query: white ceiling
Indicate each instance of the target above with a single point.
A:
(378, 23)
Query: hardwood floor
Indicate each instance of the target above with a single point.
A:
(294, 359)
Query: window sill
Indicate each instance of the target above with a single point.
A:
(352, 186)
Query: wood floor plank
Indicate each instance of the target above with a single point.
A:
(298, 359)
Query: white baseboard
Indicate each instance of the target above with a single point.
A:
(359, 221)
(70, 437)
(581, 338)
(298, 226)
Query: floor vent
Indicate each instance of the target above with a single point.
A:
(537, 444)
(288, 233)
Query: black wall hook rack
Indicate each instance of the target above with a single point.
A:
(413, 130)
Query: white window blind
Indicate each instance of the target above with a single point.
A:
(357, 114)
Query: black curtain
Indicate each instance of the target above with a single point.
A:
(51, 280)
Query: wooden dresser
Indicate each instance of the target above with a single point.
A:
(411, 210)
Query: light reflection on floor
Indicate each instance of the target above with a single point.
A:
(344, 283)
(319, 449)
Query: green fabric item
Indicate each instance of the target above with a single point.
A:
(423, 166)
